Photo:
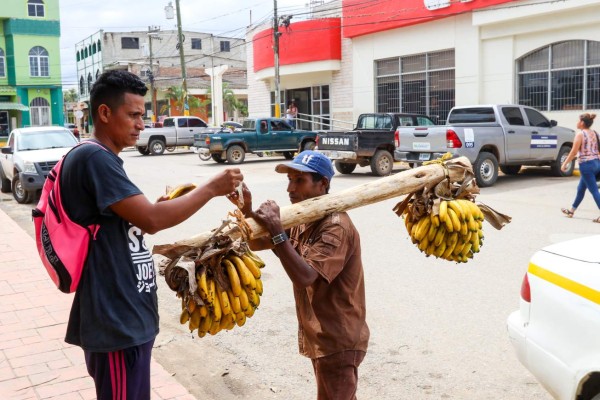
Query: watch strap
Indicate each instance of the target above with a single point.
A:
(279, 238)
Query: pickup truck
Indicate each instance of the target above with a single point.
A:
(372, 142)
(257, 135)
(28, 157)
(492, 137)
(176, 131)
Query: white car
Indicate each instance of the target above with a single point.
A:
(556, 331)
(28, 157)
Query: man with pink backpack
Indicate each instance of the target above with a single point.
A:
(114, 316)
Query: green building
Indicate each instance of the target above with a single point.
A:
(30, 76)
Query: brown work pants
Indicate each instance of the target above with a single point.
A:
(337, 375)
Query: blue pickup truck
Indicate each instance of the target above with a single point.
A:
(257, 135)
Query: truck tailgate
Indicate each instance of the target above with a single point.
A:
(423, 138)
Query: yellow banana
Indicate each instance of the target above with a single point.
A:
(244, 302)
(430, 249)
(216, 304)
(202, 286)
(246, 276)
(435, 220)
(423, 244)
(443, 210)
(195, 320)
(448, 252)
(251, 265)
(455, 220)
(205, 324)
(234, 302)
(257, 260)
(240, 319)
(422, 228)
(224, 301)
(432, 232)
(250, 312)
(253, 298)
(226, 322)
(458, 248)
(234, 278)
(181, 190)
(466, 249)
(473, 227)
(185, 316)
(191, 305)
(439, 236)
(440, 249)
(215, 327)
(464, 228)
(259, 287)
(455, 206)
(203, 311)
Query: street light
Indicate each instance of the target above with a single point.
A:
(169, 14)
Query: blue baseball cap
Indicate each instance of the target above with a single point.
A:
(309, 161)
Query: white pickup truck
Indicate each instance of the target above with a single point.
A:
(28, 157)
(176, 131)
(492, 137)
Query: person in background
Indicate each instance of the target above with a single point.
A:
(114, 315)
(585, 149)
(293, 113)
(323, 261)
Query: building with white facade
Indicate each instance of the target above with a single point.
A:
(427, 56)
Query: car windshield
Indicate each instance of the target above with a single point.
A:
(45, 140)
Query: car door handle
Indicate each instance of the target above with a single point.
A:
(534, 132)
(511, 131)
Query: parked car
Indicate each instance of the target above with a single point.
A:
(555, 330)
(370, 143)
(493, 137)
(28, 157)
(175, 131)
(74, 130)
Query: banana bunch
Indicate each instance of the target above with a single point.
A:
(180, 190)
(225, 307)
(453, 234)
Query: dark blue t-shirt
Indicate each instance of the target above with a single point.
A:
(115, 305)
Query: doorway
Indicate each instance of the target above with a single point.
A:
(4, 127)
(301, 97)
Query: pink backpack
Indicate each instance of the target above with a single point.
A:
(62, 244)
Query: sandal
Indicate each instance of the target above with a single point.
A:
(569, 213)
(597, 220)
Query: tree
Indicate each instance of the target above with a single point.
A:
(70, 96)
(175, 94)
(232, 102)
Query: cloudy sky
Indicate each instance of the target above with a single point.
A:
(81, 18)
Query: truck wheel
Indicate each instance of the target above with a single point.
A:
(510, 169)
(382, 163)
(309, 145)
(345, 168)
(143, 151)
(562, 156)
(288, 155)
(157, 147)
(5, 188)
(21, 195)
(235, 154)
(217, 157)
(486, 169)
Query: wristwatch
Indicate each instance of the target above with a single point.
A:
(280, 238)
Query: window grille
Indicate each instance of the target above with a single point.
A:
(35, 8)
(420, 83)
(38, 62)
(130, 43)
(225, 46)
(561, 76)
(196, 44)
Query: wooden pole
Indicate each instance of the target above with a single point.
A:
(314, 209)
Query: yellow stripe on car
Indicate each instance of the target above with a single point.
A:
(565, 283)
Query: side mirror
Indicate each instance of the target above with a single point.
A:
(553, 122)
(7, 150)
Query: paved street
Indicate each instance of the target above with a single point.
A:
(437, 328)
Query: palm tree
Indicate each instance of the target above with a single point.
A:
(175, 94)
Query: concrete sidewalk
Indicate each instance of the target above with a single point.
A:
(35, 362)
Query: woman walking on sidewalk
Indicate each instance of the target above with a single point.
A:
(585, 147)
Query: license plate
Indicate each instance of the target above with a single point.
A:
(424, 156)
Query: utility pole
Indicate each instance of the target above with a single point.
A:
(152, 30)
(276, 35)
(169, 11)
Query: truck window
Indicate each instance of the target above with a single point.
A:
(405, 121)
(513, 116)
(196, 123)
(182, 123)
(471, 115)
(424, 121)
(375, 122)
(249, 124)
(277, 126)
(263, 127)
(536, 119)
(169, 122)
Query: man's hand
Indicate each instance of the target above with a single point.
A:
(225, 182)
(268, 216)
(234, 197)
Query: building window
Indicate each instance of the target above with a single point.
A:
(2, 64)
(225, 45)
(38, 62)
(85, 53)
(196, 44)
(35, 8)
(99, 46)
(81, 86)
(421, 83)
(89, 82)
(78, 58)
(320, 107)
(561, 76)
(39, 109)
(130, 43)
(94, 48)
(97, 74)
